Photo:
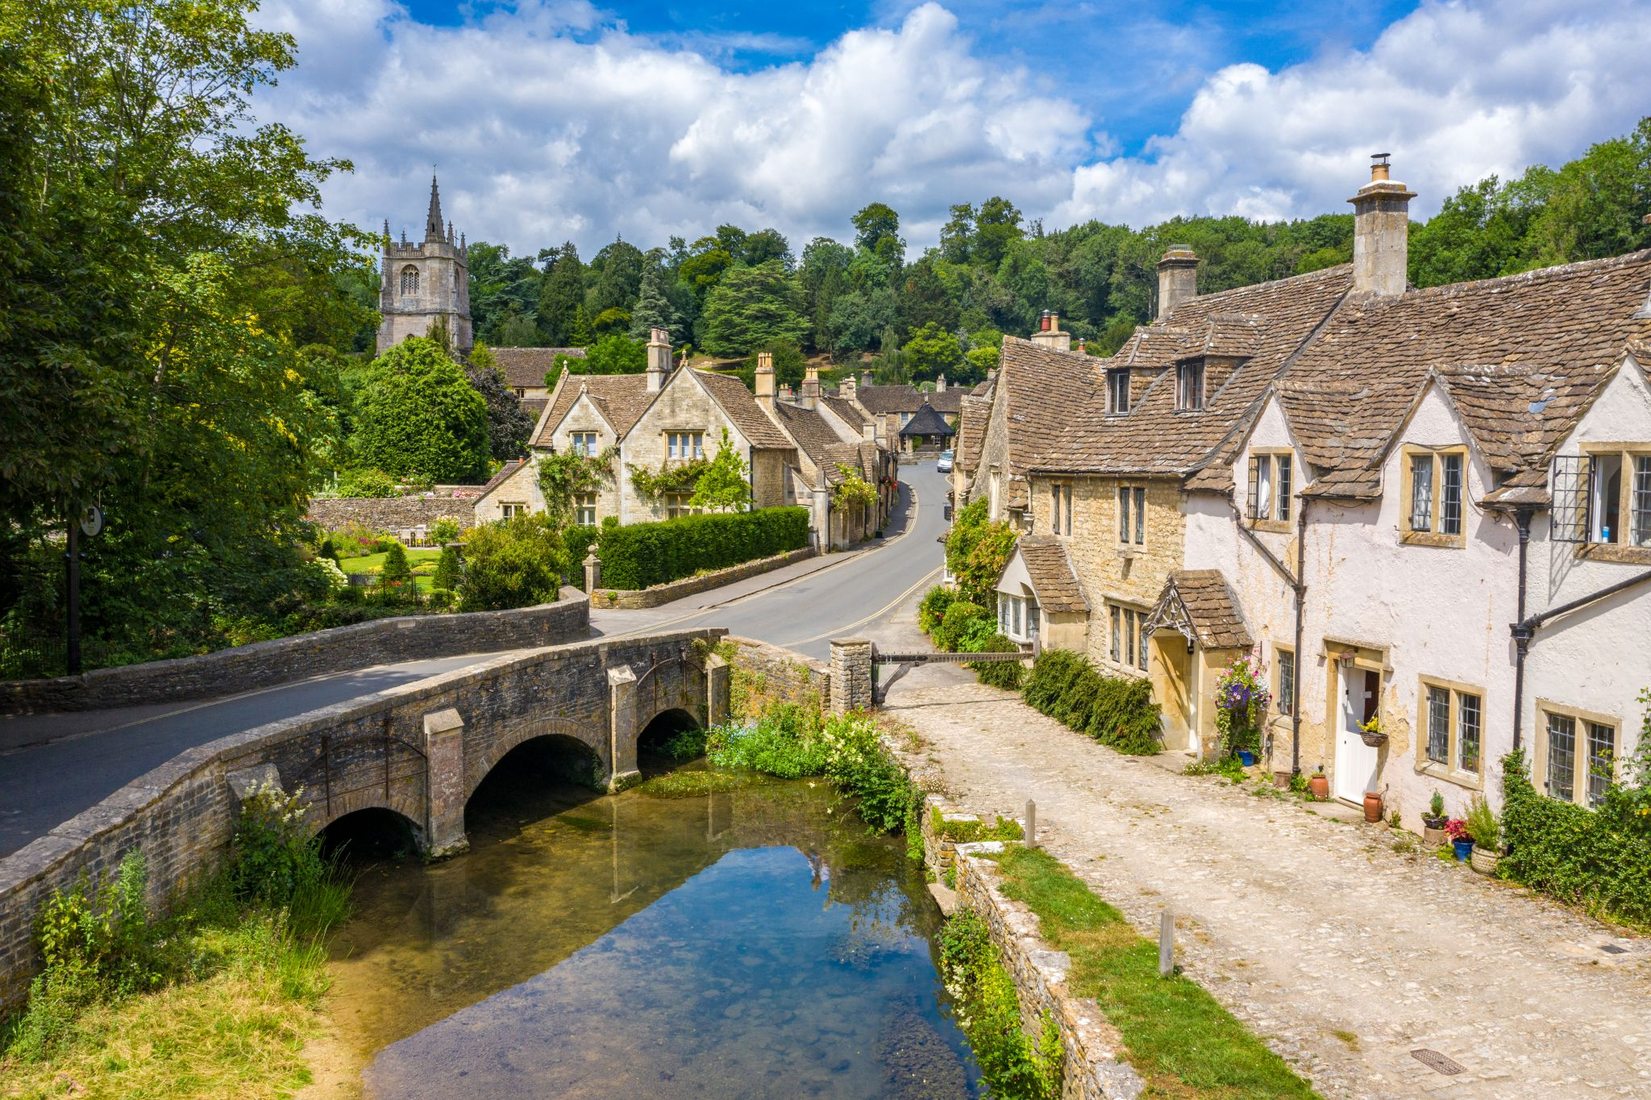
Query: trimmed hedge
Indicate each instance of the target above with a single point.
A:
(578, 540)
(1003, 674)
(1599, 859)
(1114, 710)
(640, 555)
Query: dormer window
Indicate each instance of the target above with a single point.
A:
(1435, 488)
(1117, 392)
(409, 280)
(1189, 385)
(1272, 477)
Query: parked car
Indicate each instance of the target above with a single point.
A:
(944, 465)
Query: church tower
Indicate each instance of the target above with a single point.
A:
(425, 283)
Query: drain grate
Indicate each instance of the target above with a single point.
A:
(1613, 949)
(1433, 1060)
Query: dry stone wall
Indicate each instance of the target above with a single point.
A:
(392, 513)
(404, 638)
(764, 674)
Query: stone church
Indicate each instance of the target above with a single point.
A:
(425, 284)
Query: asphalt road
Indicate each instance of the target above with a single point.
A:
(54, 766)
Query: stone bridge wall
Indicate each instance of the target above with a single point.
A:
(418, 750)
(764, 674)
(381, 641)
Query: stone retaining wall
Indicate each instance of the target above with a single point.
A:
(640, 599)
(764, 674)
(390, 513)
(381, 641)
(1094, 1065)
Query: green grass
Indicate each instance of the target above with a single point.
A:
(374, 563)
(1178, 1038)
(967, 832)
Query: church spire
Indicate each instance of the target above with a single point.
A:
(433, 223)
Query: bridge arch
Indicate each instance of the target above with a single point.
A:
(372, 832)
(483, 757)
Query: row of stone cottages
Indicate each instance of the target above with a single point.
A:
(1426, 512)
(797, 451)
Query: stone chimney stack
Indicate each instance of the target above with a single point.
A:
(940, 383)
(1049, 334)
(811, 387)
(1177, 278)
(765, 381)
(848, 388)
(659, 359)
(1381, 232)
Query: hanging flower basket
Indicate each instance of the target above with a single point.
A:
(1371, 733)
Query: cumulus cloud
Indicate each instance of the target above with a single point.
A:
(552, 121)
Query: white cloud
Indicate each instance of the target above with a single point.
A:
(549, 121)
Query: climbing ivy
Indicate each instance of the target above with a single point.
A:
(569, 474)
(668, 479)
(853, 489)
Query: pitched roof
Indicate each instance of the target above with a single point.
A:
(971, 432)
(927, 421)
(1198, 603)
(526, 367)
(504, 474)
(621, 398)
(907, 399)
(1249, 335)
(846, 410)
(1028, 378)
(1520, 357)
(810, 431)
(741, 407)
(1053, 580)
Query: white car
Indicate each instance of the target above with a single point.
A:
(944, 465)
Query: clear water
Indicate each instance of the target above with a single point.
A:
(754, 942)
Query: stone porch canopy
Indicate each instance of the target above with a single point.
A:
(1040, 563)
(1199, 605)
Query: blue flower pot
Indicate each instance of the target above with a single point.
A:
(1246, 757)
(1464, 849)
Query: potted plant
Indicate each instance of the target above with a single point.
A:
(1460, 839)
(1486, 832)
(1433, 822)
(1371, 732)
(1373, 807)
(1318, 784)
(1241, 699)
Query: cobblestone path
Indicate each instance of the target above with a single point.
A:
(1343, 953)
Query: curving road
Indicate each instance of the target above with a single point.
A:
(54, 766)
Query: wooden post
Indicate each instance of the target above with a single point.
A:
(1031, 824)
(1166, 944)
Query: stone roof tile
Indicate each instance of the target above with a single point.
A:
(1053, 580)
(525, 368)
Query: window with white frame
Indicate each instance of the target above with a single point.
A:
(1060, 509)
(1017, 617)
(1435, 484)
(1579, 754)
(1117, 391)
(1272, 476)
(584, 509)
(582, 443)
(1453, 724)
(1129, 635)
(1132, 515)
(512, 508)
(1189, 385)
(684, 446)
(1620, 498)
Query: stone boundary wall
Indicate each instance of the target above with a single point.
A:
(766, 673)
(1095, 1068)
(181, 815)
(283, 660)
(390, 513)
(640, 599)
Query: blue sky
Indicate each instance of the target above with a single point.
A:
(568, 119)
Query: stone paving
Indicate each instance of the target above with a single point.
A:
(1343, 950)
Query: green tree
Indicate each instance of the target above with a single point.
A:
(931, 352)
(618, 276)
(421, 418)
(611, 355)
(562, 297)
(653, 308)
(517, 562)
(725, 486)
(508, 424)
(397, 573)
(996, 225)
(976, 552)
(750, 308)
(877, 231)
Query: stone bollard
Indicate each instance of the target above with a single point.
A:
(850, 675)
(1166, 944)
(1031, 824)
(593, 571)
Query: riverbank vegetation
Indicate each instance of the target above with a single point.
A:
(1178, 1038)
(1016, 1066)
(214, 999)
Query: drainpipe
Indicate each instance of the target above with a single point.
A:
(1521, 633)
(1300, 584)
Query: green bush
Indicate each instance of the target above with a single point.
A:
(366, 483)
(932, 608)
(639, 555)
(578, 541)
(1115, 710)
(448, 572)
(784, 741)
(1483, 827)
(397, 573)
(961, 618)
(1599, 859)
(445, 530)
(277, 865)
(517, 562)
(989, 1012)
(1003, 674)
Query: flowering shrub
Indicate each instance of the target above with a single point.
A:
(1457, 829)
(1241, 699)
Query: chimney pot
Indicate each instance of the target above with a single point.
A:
(1049, 334)
(811, 387)
(765, 381)
(1381, 232)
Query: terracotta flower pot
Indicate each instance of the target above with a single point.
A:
(1485, 862)
(1372, 807)
(1433, 838)
(1319, 785)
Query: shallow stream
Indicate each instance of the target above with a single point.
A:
(751, 942)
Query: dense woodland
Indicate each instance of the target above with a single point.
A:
(185, 346)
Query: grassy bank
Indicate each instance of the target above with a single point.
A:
(214, 1000)
(1177, 1037)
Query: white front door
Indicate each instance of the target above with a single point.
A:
(1359, 695)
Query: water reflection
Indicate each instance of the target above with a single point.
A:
(750, 942)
